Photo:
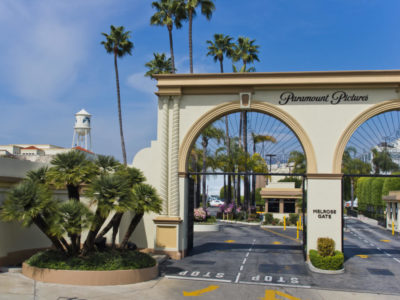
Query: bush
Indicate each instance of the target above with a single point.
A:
(95, 261)
(275, 221)
(268, 218)
(293, 218)
(334, 262)
(200, 215)
(326, 247)
(239, 216)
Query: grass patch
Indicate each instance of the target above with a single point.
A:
(97, 261)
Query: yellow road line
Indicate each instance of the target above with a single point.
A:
(280, 234)
(229, 241)
(202, 291)
(362, 255)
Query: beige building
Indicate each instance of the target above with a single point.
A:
(281, 198)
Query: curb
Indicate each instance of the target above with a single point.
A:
(320, 271)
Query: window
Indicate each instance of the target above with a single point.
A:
(289, 206)
(273, 205)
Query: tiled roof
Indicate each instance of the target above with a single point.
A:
(83, 149)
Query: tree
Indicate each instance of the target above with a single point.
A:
(29, 203)
(210, 132)
(382, 161)
(299, 162)
(117, 42)
(169, 13)
(207, 8)
(257, 139)
(220, 47)
(353, 166)
(146, 200)
(159, 65)
(246, 51)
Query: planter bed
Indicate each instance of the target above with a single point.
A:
(115, 277)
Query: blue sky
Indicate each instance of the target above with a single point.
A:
(52, 63)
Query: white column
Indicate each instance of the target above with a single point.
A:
(164, 155)
(174, 180)
(324, 210)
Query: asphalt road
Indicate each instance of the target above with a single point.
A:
(249, 255)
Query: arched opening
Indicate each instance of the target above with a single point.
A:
(271, 142)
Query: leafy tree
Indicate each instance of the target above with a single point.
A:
(299, 162)
(382, 161)
(353, 166)
(220, 47)
(159, 65)
(391, 184)
(246, 51)
(207, 8)
(118, 43)
(169, 13)
(210, 132)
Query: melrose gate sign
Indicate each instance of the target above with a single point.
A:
(189, 103)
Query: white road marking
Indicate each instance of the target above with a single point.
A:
(366, 241)
(396, 260)
(241, 268)
(247, 254)
(378, 248)
(387, 254)
(244, 261)
(196, 278)
(372, 244)
(237, 278)
(276, 284)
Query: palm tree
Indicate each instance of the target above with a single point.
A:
(246, 51)
(207, 8)
(117, 42)
(196, 156)
(106, 163)
(222, 45)
(146, 200)
(109, 192)
(159, 65)
(299, 162)
(71, 170)
(382, 161)
(208, 133)
(258, 138)
(28, 203)
(169, 13)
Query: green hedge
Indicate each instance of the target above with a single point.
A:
(95, 261)
(334, 262)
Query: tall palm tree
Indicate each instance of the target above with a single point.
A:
(159, 65)
(258, 138)
(118, 43)
(207, 8)
(210, 132)
(246, 51)
(299, 162)
(169, 13)
(222, 45)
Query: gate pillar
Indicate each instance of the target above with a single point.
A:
(324, 209)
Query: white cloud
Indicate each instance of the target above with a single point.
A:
(142, 83)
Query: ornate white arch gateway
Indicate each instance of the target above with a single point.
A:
(322, 108)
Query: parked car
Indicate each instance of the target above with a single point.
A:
(216, 202)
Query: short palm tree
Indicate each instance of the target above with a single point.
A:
(246, 51)
(106, 163)
(28, 203)
(71, 170)
(118, 43)
(159, 65)
(38, 175)
(109, 192)
(220, 47)
(207, 8)
(169, 13)
(146, 199)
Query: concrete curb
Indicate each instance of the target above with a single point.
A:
(240, 222)
(320, 271)
(206, 227)
(90, 278)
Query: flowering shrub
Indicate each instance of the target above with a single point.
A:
(238, 209)
(200, 214)
(230, 208)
